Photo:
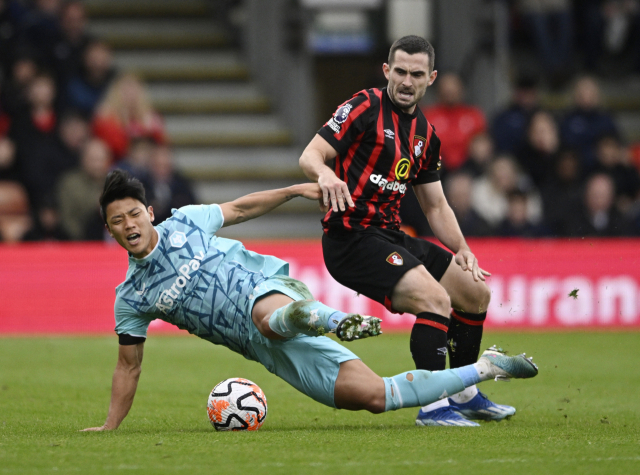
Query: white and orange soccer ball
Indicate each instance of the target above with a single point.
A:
(237, 404)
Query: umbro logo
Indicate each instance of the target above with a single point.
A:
(390, 134)
(142, 290)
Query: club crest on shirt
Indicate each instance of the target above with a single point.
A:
(418, 146)
(395, 259)
(178, 239)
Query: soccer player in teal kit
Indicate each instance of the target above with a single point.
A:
(182, 273)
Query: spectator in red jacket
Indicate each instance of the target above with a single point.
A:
(456, 122)
(127, 113)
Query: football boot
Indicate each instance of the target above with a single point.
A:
(355, 327)
(443, 416)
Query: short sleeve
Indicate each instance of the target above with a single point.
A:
(128, 322)
(432, 163)
(209, 218)
(347, 122)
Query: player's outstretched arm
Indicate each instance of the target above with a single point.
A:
(256, 204)
(445, 226)
(124, 385)
(313, 162)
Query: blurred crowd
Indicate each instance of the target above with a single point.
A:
(67, 117)
(595, 36)
(532, 173)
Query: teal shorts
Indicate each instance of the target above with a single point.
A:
(309, 364)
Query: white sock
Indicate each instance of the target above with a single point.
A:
(465, 396)
(435, 405)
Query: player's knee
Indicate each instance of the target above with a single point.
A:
(437, 301)
(485, 297)
(479, 298)
(263, 326)
(376, 404)
(434, 299)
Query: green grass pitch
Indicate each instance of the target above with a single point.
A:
(580, 415)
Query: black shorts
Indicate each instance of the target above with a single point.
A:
(372, 261)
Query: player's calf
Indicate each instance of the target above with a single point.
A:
(420, 387)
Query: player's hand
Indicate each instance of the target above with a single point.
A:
(310, 191)
(95, 429)
(467, 261)
(335, 192)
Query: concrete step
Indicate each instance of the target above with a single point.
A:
(616, 101)
(200, 98)
(276, 226)
(629, 124)
(183, 65)
(226, 130)
(617, 95)
(147, 8)
(225, 163)
(222, 192)
(159, 33)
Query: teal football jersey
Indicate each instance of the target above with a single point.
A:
(195, 280)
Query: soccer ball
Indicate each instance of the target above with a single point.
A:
(237, 404)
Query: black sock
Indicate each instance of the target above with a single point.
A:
(429, 341)
(464, 337)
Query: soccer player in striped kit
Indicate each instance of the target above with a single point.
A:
(382, 143)
(182, 273)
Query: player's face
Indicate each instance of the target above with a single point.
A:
(408, 78)
(129, 223)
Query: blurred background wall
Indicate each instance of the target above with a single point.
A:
(537, 104)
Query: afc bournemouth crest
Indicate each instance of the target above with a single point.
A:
(419, 144)
(395, 259)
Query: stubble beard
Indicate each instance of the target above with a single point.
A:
(400, 105)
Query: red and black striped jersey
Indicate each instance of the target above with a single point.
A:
(381, 150)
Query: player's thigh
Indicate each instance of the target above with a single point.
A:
(309, 364)
(358, 387)
(466, 294)
(368, 263)
(418, 291)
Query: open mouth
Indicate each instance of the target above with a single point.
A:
(133, 239)
(405, 95)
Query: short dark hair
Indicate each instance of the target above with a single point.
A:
(413, 44)
(118, 186)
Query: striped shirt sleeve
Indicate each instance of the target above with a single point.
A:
(432, 163)
(347, 122)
